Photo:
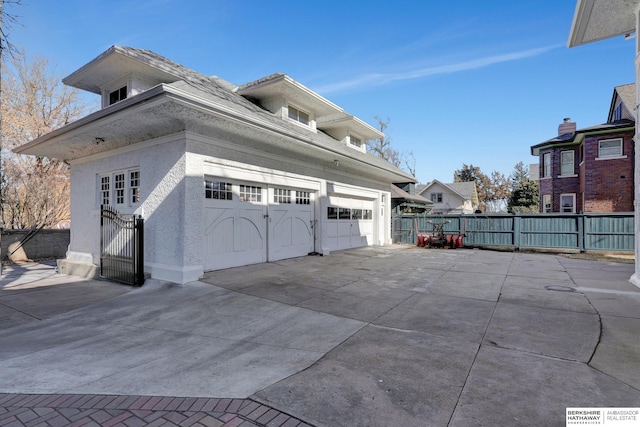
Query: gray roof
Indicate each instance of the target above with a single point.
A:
(575, 137)
(466, 190)
(399, 193)
(212, 90)
(627, 94)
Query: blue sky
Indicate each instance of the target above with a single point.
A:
(460, 82)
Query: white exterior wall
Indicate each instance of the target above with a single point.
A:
(451, 203)
(162, 165)
(172, 171)
(209, 156)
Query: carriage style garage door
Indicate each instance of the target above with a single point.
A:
(248, 223)
(350, 223)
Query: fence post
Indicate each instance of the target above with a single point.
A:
(516, 231)
(139, 228)
(581, 233)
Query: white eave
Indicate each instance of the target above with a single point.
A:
(281, 85)
(109, 65)
(596, 20)
(345, 120)
(166, 109)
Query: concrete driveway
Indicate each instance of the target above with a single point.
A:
(367, 337)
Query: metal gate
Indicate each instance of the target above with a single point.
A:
(121, 247)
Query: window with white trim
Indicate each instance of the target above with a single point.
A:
(105, 190)
(546, 203)
(566, 163)
(250, 193)
(568, 203)
(217, 190)
(344, 213)
(334, 212)
(118, 95)
(299, 115)
(303, 198)
(355, 141)
(281, 195)
(119, 188)
(546, 165)
(134, 187)
(610, 148)
(436, 197)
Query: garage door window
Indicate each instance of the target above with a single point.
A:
(346, 213)
(303, 198)
(218, 190)
(250, 193)
(281, 195)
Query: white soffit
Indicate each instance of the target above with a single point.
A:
(596, 20)
(281, 85)
(349, 122)
(108, 66)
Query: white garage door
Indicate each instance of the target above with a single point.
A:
(246, 223)
(350, 223)
(291, 223)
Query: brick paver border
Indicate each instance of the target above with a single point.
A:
(89, 410)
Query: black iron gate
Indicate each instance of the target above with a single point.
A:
(121, 247)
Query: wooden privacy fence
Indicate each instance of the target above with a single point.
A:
(583, 232)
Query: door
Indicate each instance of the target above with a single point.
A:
(291, 223)
(234, 224)
(248, 223)
(350, 223)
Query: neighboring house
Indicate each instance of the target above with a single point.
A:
(405, 200)
(452, 198)
(596, 20)
(591, 169)
(223, 175)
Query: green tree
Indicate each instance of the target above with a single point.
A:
(470, 173)
(525, 193)
(493, 191)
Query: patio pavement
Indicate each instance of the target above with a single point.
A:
(378, 336)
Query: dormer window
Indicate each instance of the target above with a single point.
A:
(298, 115)
(355, 141)
(118, 95)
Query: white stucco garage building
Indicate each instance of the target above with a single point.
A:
(223, 175)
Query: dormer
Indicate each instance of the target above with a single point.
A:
(623, 103)
(290, 100)
(349, 129)
(120, 73)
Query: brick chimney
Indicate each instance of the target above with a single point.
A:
(567, 126)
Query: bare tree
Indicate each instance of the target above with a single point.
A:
(7, 21)
(381, 147)
(35, 190)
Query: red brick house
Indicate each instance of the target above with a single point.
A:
(591, 169)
